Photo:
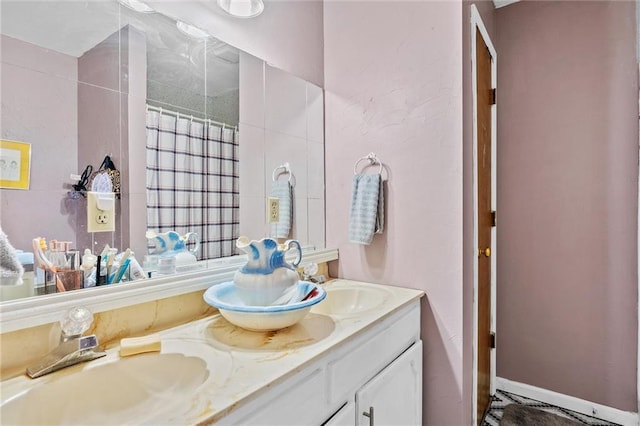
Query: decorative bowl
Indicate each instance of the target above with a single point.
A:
(261, 318)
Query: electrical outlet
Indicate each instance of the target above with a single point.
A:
(99, 220)
(273, 210)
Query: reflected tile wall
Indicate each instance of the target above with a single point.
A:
(282, 116)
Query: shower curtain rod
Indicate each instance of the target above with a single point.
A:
(191, 117)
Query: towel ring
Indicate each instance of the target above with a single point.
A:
(373, 160)
(286, 169)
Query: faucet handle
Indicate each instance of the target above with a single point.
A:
(76, 321)
(310, 269)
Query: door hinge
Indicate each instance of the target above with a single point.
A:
(492, 340)
(494, 219)
(493, 96)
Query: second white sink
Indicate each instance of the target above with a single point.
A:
(346, 299)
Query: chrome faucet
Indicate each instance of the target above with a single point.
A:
(74, 348)
(309, 272)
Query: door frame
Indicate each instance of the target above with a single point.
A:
(477, 24)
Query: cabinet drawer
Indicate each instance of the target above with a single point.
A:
(371, 354)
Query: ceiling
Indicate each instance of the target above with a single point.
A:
(85, 24)
(75, 27)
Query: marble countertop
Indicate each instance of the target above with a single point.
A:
(241, 364)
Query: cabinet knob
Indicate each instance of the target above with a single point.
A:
(486, 251)
(369, 414)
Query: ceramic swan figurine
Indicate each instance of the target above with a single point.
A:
(173, 242)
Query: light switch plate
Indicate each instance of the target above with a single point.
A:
(99, 220)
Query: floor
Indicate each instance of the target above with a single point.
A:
(501, 399)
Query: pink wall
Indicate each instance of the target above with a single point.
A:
(39, 106)
(567, 198)
(393, 85)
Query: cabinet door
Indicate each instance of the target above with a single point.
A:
(394, 396)
(346, 416)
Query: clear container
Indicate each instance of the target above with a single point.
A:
(166, 265)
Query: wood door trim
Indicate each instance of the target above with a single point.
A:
(477, 24)
(484, 169)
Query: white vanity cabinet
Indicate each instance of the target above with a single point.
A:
(379, 367)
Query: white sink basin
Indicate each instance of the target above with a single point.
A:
(347, 300)
(145, 388)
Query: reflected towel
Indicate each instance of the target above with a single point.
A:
(10, 266)
(366, 216)
(284, 193)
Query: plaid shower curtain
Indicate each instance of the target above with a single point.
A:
(192, 181)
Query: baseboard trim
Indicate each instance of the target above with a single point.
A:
(582, 406)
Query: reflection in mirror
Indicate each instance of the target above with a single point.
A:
(82, 80)
(192, 84)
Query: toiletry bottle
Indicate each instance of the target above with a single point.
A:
(137, 273)
(89, 262)
(53, 256)
(42, 273)
(58, 260)
(75, 276)
(56, 254)
(73, 258)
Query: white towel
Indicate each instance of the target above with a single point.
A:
(281, 189)
(366, 216)
(10, 266)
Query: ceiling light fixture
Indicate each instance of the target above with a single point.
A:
(137, 5)
(242, 8)
(191, 31)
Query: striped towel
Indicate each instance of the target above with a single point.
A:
(281, 189)
(366, 216)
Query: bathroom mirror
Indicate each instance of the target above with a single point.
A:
(78, 79)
